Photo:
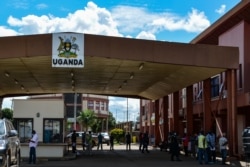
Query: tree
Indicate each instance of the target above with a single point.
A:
(7, 113)
(86, 118)
(97, 127)
(118, 134)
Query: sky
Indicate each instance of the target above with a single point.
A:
(161, 20)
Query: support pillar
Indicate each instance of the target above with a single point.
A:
(176, 112)
(231, 112)
(157, 130)
(165, 117)
(189, 99)
(207, 114)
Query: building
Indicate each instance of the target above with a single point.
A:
(220, 103)
(53, 116)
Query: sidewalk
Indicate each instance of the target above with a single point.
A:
(120, 157)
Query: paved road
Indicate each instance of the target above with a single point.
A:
(122, 158)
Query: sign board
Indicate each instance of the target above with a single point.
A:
(68, 50)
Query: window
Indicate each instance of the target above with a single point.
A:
(97, 105)
(24, 128)
(52, 131)
(91, 104)
(215, 86)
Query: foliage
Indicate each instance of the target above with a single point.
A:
(7, 113)
(118, 134)
(97, 127)
(86, 118)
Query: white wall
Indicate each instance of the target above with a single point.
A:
(47, 108)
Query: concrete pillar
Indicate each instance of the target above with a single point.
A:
(176, 112)
(157, 130)
(231, 112)
(165, 117)
(189, 99)
(207, 114)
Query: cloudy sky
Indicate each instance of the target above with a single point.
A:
(165, 20)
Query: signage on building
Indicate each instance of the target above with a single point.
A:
(68, 50)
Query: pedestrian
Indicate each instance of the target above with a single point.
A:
(223, 142)
(211, 152)
(111, 140)
(185, 141)
(32, 145)
(194, 143)
(100, 138)
(83, 140)
(145, 142)
(202, 145)
(128, 141)
(140, 141)
(89, 143)
(73, 141)
(174, 147)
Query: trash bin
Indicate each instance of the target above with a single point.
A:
(246, 140)
(134, 139)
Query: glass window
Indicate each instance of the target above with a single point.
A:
(52, 131)
(215, 86)
(2, 128)
(24, 128)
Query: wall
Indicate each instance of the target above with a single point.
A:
(28, 108)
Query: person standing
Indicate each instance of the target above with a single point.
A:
(73, 141)
(111, 140)
(128, 141)
(32, 145)
(185, 141)
(145, 142)
(223, 148)
(202, 145)
(174, 147)
(211, 152)
(89, 143)
(83, 140)
(100, 137)
(140, 141)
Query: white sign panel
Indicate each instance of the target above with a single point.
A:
(68, 50)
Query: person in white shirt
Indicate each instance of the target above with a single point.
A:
(33, 144)
(223, 142)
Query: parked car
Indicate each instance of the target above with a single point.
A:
(79, 138)
(105, 137)
(10, 147)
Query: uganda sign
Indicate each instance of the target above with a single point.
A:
(67, 50)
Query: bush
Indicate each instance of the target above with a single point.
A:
(118, 134)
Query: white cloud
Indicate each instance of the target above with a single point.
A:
(118, 106)
(4, 31)
(41, 6)
(120, 21)
(221, 10)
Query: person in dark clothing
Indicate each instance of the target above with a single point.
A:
(73, 140)
(83, 141)
(140, 141)
(128, 141)
(111, 140)
(145, 142)
(174, 147)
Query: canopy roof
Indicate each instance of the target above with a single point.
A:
(113, 66)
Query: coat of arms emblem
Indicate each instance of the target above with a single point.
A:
(67, 47)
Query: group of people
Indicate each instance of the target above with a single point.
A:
(201, 146)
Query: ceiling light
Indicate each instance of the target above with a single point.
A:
(131, 76)
(16, 81)
(141, 66)
(72, 74)
(120, 88)
(7, 74)
(72, 81)
(125, 82)
(22, 87)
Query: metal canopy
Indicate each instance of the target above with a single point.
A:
(113, 66)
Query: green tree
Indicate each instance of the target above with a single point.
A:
(86, 118)
(7, 113)
(97, 127)
(118, 134)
